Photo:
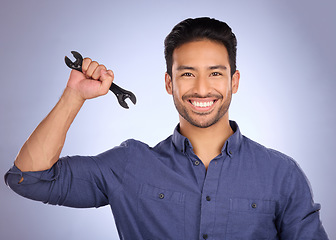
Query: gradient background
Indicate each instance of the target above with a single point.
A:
(286, 100)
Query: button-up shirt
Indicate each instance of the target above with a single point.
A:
(165, 192)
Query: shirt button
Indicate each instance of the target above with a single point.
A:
(208, 198)
(161, 196)
(197, 163)
(230, 152)
(205, 236)
(254, 205)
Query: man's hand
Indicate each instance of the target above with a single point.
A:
(95, 80)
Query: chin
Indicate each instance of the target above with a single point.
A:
(202, 124)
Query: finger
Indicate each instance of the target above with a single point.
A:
(111, 73)
(106, 78)
(85, 64)
(97, 72)
(91, 68)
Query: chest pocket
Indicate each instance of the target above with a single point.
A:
(251, 219)
(161, 212)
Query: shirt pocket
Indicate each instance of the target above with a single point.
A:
(161, 213)
(252, 219)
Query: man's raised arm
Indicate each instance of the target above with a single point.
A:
(44, 146)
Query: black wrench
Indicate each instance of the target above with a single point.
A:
(120, 93)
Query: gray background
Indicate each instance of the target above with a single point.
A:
(286, 100)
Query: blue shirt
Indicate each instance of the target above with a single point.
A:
(165, 192)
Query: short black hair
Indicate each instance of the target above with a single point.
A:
(198, 29)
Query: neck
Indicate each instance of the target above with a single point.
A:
(207, 142)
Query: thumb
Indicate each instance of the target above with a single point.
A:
(74, 78)
(76, 74)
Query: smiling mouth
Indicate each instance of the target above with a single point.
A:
(202, 104)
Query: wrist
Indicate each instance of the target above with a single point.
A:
(72, 97)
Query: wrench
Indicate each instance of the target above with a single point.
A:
(120, 93)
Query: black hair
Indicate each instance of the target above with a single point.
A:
(198, 29)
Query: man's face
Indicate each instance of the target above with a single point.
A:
(201, 83)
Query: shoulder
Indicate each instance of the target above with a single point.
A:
(127, 147)
(137, 146)
(131, 148)
(275, 165)
(265, 155)
(165, 145)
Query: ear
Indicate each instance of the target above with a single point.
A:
(169, 84)
(235, 81)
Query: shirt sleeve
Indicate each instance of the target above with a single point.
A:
(300, 217)
(77, 181)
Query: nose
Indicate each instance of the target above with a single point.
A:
(202, 86)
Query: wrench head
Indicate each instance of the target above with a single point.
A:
(77, 65)
(123, 104)
(122, 97)
(122, 94)
(132, 97)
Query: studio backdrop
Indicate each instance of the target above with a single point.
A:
(286, 98)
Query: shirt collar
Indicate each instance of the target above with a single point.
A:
(233, 143)
(180, 141)
(230, 147)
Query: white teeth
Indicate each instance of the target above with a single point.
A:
(202, 104)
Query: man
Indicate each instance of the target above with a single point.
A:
(206, 181)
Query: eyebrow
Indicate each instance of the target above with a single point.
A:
(183, 67)
(218, 67)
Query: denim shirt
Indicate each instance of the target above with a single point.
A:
(165, 192)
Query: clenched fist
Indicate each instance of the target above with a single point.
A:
(94, 81)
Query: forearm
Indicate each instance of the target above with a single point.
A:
(44, 146)
(61, 184)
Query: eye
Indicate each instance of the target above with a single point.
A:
(187, 74)
(216, 74)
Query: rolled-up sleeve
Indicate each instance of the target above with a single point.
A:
(77, 181)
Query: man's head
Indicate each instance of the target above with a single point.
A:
(201, 29)
(201, 71)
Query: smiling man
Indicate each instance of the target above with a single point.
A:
(205, 181)
(202, 87)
